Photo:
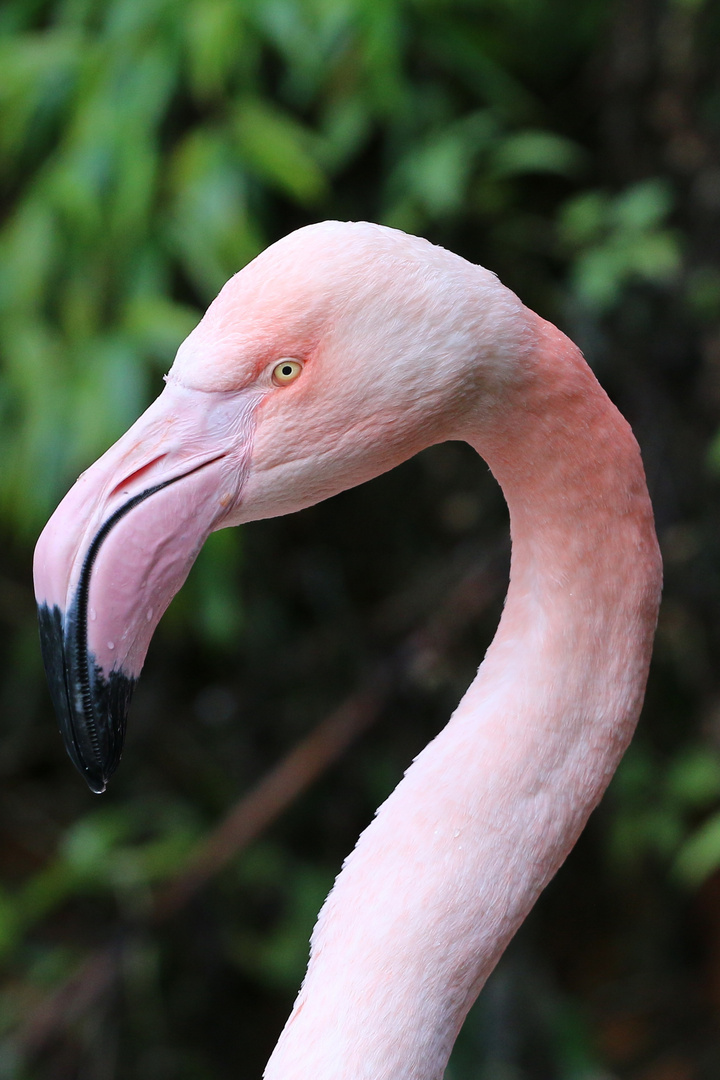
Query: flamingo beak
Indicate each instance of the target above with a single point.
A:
(118, 548)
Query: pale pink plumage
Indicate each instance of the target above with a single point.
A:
(404, 345)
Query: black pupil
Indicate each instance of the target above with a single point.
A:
(287, 370)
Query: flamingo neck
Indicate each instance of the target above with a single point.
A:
(458, 854)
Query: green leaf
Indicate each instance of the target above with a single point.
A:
(694, 777)
(655, 257)
(279, 149)
(583, 218)
(214, 579)
(699, 856)
(537, 152)
(37, 76)
(157, 325)
(217, 44)
(437, 173)
(643, 206)
(208, 223)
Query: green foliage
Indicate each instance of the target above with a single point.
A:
(208, 608)
(117, 851)
(619, 240)
(278, 958)
(148, 150)
(144, 146)
(665, 812)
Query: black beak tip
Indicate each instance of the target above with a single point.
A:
(91, 707)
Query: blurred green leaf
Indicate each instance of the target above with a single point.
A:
(218, 604)
(583, 218)
(699, 855)
(694, 777)
(218, 45)
(279, 150)
(536, 152)
(643, 206)
(37, 75)
(619, 240)
(280, 958)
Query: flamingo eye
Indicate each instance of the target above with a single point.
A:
(286, 371)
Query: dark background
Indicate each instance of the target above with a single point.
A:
(147, 151)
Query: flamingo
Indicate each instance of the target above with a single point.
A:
(340, 351)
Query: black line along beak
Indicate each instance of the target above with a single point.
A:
(91, 704)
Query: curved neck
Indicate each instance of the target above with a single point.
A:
(458, 854)
(585, 572)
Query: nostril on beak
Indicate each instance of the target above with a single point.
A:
(123, 488)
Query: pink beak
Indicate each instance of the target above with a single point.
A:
(119, 547)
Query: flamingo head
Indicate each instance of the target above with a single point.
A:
(339, 352)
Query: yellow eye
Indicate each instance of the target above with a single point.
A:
(286, 371)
